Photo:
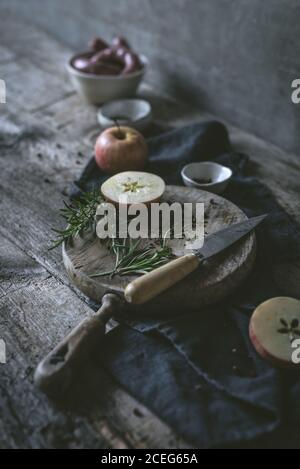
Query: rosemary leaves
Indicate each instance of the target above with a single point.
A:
(79, 216)
(132, 259)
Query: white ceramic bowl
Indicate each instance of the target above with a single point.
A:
(195, 174)
(98, 89)
(134, 113)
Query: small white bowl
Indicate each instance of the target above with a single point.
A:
(206, 170)
(134, 113)
(98, 89)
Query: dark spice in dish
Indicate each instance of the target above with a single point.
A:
(203, 180)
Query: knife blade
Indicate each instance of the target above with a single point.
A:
(152, 284)
(223, 239)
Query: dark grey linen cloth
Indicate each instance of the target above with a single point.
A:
(198, 371)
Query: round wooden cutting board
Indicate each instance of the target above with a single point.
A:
(209, 284)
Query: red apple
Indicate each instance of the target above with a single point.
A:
(121, 149)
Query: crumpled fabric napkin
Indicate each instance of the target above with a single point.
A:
(199, 371)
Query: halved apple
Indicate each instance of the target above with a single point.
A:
(133, 187)
(274, 328)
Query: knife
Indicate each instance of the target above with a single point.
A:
(152, 284)
(55, 373)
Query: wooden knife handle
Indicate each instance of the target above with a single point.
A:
(150, 285)
(55, 372)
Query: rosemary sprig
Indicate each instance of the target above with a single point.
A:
(131, 259)
(79, 216)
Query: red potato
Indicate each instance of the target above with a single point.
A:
(132, 63)
(120, 41)
(101, 68)
(108, 56)
(117, 59)
(104, 55)
(81, 63)
(121, 149)
(120, 52)
(86, 65)
(97, 44)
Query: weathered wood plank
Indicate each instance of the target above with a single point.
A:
(22, 223)
(41, 87)
(41, 152)
(278, 169)
(36, 311)
(29, 297)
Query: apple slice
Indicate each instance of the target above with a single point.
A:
(133, 187)
(274, 327)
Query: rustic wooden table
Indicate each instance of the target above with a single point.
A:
(46, 138)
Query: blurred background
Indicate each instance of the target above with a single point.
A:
(235, 58)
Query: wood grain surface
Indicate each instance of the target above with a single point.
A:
(206, 285)
(46, 138)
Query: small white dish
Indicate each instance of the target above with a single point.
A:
(98, 89)
(206, 175)
(134, 113)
